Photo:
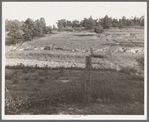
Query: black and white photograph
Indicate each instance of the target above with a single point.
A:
(74, 60)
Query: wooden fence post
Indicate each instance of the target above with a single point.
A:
(87, 80)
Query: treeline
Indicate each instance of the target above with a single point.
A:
(102, 23)
(25, 31)
(29, 29)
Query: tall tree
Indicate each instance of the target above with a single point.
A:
(106, 22)
(31, 26)
(135, 20)
(84, 22)
(129, 22)
(120, 25)
(39, 29)
(89, 23)
(69, 23)
(15, 32)
(115, 23)
(61, 23)
(27, 32)
(75, 23)
(43, 23)
(12, 25)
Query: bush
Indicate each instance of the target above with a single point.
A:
(14, 37)
(98, 29)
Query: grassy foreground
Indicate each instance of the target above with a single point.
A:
(61, 91)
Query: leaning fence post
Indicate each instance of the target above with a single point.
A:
(87, 80)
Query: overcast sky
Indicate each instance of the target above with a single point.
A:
(53, 11)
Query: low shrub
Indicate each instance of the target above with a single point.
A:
(98, 29)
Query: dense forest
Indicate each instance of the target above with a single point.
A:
(20, 31)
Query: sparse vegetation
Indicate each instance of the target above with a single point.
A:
(98, 29)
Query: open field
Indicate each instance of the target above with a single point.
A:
(45, 81)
